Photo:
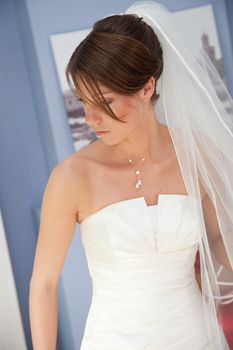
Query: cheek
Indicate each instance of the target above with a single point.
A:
(132, 118)
(127, 111)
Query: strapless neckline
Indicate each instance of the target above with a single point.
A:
(130, 200)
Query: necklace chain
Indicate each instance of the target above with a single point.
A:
(138, 183)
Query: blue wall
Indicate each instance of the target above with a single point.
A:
(34, 136)
(24, 170)
(229, 9)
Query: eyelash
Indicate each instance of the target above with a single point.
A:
(108, 102)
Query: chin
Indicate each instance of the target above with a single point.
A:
(111, 141)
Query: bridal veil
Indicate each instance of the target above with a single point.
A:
(197, 108)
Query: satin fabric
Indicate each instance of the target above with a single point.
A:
(141, 261)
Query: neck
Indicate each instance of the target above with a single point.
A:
(147, 140)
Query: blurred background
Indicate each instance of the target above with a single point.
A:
(41, 124)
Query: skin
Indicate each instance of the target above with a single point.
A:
(143, 135)
(95, 177)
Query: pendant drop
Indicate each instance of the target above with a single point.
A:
(137, 172)
(138, 183)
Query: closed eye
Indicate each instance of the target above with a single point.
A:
(108, 101)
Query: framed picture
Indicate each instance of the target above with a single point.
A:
(63, 46)
(207, 35)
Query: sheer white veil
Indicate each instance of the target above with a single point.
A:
(197, 108)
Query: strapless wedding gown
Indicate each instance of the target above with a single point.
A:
(141, 261)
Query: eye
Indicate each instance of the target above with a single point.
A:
(108, 101)
(79, 99)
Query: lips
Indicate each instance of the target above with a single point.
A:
(101, 131)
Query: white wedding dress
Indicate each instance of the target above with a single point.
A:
(141, 261)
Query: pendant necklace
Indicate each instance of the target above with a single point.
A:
(138, 183)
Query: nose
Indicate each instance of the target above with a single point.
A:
(92, 115)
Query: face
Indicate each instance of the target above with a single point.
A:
(131, 109)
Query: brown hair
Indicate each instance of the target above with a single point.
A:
(121, 52)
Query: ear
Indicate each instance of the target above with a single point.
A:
(148, 89)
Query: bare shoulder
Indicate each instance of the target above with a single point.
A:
(71, 175)
(75, 167)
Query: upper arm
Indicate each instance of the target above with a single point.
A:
(210, 219)
(57, 225)
(215, 236)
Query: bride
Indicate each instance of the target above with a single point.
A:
(153, 191)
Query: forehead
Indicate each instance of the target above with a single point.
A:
(84, 89)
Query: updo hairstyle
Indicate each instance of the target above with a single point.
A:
(121, 52)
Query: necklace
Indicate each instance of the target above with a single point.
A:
(138, 183)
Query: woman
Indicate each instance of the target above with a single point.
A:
(141, 193)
